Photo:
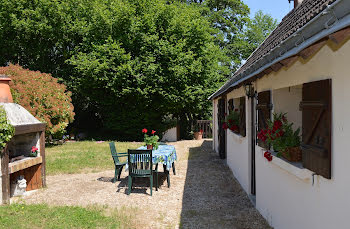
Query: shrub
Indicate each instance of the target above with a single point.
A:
(6, 129)
(42, 96)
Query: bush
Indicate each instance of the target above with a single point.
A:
(6, 129)
(42, 96)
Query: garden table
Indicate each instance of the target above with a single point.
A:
(166, 155)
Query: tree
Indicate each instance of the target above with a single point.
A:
(257, 30)
(42, 96)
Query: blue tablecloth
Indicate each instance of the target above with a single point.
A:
(165, 154)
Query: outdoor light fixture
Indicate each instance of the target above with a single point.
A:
(249, 90)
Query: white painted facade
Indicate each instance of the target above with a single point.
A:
(170, 135)
(285, 195)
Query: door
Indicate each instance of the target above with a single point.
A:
(221, 130)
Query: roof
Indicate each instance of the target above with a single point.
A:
(290, 25)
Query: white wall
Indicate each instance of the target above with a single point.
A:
(170, 135)
(237, 146)
(285, 200)
(287, 100)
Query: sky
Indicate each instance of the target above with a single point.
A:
(276, 8)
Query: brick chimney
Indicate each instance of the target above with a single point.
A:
(297, 3)
(5, 92)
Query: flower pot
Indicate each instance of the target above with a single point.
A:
(149, 146)
(293, 154)
(198, 135)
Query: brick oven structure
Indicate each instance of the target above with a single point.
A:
(15, 160)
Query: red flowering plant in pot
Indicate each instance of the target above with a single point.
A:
(232, 121)
(283, 139)
(151, 141)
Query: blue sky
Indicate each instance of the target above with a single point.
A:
(276, 8)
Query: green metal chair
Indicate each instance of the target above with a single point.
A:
(118, 164)
(140, 165)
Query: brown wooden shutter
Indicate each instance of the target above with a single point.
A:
(221, 131)
(264, 108)
(316, 109)
(242, 121)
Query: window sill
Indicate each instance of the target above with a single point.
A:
(236, 134)
(294, 168)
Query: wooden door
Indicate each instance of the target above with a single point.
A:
(221, 130)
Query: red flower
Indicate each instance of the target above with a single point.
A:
(277, 124)
(225, 126)
(34, 149)
(268, 156)
(235, 127)
(144, 130)
(201, 131)
(153, 131)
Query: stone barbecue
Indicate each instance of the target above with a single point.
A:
(15, 158)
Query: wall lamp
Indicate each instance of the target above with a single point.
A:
(249, 90)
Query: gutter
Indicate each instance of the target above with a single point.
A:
(325, 30)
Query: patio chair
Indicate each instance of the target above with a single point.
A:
(140, 165)
(118, 164)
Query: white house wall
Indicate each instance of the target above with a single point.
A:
(237, 154)
(285, 200)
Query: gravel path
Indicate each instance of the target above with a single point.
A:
(203, 194)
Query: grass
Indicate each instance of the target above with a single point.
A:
(44, 216)
(83, 157)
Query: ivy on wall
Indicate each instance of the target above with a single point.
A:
(6, 129)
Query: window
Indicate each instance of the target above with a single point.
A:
(264, 108)
(238, 105)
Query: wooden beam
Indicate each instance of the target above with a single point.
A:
(276, 67)
(42, 154)
(5, 176)
(340, 36)
(289, 61)
(30, 128)
(23, 164)
(268, 71)
(312, 49)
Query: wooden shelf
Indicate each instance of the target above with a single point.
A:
(24, 163)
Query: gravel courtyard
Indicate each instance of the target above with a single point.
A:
(203, 194)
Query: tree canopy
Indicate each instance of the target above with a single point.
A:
(130, 63)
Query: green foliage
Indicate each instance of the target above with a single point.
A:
(43, 97)
(151, 140)
(7, 130)
(129, 64)
(256, 31)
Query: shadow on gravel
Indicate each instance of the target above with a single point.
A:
(212, 198)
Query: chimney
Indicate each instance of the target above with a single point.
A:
(5, 92)
(297, 3)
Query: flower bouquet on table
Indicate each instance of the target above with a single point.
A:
(34, 152)
(232, 121)
(283, 139)
(151, 141)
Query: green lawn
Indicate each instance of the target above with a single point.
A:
(83, 157)
(44, 216)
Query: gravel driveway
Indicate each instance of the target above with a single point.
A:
(203, 194)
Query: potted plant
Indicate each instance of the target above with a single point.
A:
(34, 152)
(283, 139)
(151, 141)
(198, 133)
(232, 121)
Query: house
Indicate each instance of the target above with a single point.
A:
(302, 69)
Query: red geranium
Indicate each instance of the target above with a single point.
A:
(144, 130)
(153, 131)
(225, 126)
(201, 131)
(268, 156)
(34, 149)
